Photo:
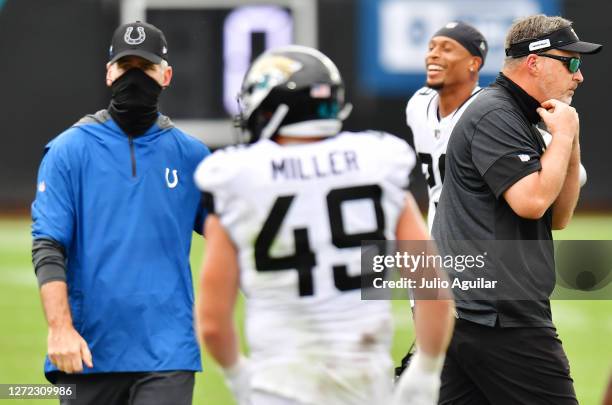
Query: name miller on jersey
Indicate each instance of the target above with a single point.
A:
(334, 163)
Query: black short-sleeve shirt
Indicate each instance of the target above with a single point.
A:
(493, 145)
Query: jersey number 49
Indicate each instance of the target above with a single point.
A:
(303, 260)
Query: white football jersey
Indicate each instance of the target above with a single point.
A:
(297, 215)
(431, 134)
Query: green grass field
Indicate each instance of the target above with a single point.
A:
(584, 326)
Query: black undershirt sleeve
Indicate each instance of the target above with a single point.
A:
(49, 260)
(208, 202)
(198, 225)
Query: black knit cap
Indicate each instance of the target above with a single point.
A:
(468, 36)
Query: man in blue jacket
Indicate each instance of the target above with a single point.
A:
(112, 223)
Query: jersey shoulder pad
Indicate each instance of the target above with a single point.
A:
(399, 158)
(220, 168)
(397, 145)
(418, 103)
(392, 149)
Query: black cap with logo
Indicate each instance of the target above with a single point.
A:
(564, 38)
(139, 39)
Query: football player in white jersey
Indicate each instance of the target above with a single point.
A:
(456, 54)
(287, 216)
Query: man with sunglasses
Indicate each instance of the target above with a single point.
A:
(504, 182)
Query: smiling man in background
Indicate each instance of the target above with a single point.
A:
(456, 54)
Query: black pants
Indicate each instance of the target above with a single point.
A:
(501, 366)
(155, 388)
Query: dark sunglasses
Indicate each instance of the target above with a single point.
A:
(572, 64)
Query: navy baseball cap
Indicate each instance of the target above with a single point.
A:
(564, 38)
(139, 39)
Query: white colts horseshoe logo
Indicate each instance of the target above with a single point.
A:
(134, 41)
(174, 182)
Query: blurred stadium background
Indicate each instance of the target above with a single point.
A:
(53, 56)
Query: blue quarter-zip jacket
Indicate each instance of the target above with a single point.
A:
(124, 210)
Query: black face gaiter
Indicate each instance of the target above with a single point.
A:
(134, 101)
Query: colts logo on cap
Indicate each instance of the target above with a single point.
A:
(134, 41)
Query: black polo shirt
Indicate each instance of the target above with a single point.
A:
(493, 145)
